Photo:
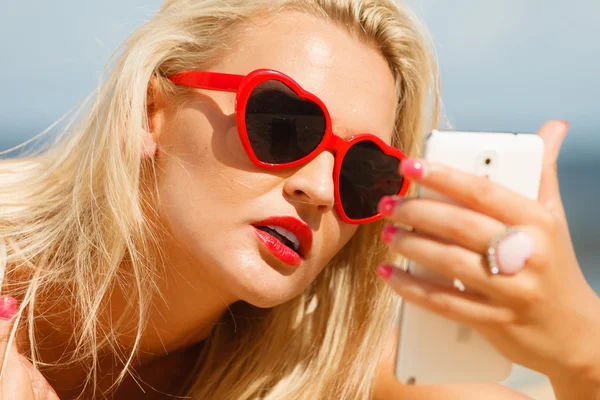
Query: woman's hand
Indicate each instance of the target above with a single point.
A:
(19, 379)
(539, 310)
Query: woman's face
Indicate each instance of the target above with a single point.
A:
(212, 196)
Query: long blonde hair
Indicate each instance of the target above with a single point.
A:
(72, 212)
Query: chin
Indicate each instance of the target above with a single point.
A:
(268, 294)
(259, 300)
(264, 286)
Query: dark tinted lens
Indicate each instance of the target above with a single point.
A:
(367, 175)
(282, 127)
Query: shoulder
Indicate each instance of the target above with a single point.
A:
(395, 390)
(388, 388)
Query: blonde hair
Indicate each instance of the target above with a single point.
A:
(71, 213)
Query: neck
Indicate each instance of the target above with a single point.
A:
(175, 325)
(160, 378)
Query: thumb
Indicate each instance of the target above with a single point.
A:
(553, 134)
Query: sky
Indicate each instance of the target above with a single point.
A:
(507, 65)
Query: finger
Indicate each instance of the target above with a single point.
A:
(468, 308)
(14, 379)
(450, 261)
(8, 309)
(553, 134)
(15, 383)
(477, 193)
(449, 222)
(18, 375)
(41, 387)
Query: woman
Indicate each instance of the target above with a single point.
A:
(169, 245)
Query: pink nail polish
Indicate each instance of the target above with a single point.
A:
(8, 307)
(385, 271)
(386, 206)
(513, 252)
(388, 233)
(413, 168)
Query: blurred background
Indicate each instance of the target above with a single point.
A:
(507, 65)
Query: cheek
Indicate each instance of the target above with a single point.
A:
(202, 168)
(343, 232)
(205, 144)
(347, 232)
(231, 149)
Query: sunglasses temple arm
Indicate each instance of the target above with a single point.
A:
(208, 80)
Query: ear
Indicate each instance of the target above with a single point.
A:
(154, 103)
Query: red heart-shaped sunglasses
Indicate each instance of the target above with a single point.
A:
(283, 126)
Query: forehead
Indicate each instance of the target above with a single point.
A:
(351, 77)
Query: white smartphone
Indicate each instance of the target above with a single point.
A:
(435, 350)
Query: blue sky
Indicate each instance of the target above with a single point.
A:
(506, 64)
(510, 64)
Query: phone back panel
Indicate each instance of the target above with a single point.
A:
(431, 348)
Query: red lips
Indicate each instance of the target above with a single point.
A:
(293, 225)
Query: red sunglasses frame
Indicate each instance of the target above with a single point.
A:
(243, 86)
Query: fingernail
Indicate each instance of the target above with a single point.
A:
(385, 271)
(388, 233)
(386, 206)
(8, 307)
(564, 129)
(413, 168)
(514, 251)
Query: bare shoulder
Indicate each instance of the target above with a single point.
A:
(388, 388)
(395, 390)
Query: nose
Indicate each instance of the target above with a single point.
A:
(311, 186)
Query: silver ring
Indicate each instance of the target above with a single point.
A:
(492, 250)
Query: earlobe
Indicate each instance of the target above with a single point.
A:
(149, 136)
(149, 145)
